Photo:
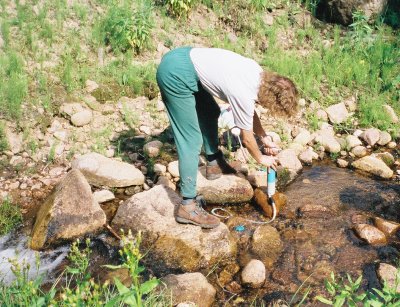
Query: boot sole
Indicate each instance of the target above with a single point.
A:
(186, 221)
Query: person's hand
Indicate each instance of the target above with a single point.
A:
(270, 148)
(269, 162)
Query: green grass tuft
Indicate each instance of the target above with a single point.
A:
(10, 217)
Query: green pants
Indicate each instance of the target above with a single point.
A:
(192, 111)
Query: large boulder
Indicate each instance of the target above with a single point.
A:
(69, 212)
(226, 189)
(341, 11)
(374, 166)
(173, 246)
(102, 171)
(190, 287)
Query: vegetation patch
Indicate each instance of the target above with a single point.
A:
(10, 217)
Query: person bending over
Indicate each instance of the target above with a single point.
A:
(188, 79)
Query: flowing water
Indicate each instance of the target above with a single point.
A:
(324, 202)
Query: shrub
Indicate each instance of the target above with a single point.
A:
(10, 217)
(125, 28)
(179, 8)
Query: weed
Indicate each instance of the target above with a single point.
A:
(179, 8)
(125, 28)
(10, 217)
(51, 157)
(3, 140)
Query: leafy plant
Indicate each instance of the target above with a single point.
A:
(179, 8)
(10, 216)
(126, 28)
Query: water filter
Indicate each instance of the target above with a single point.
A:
(271, 182)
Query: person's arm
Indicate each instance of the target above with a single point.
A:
(251, 144)
(270, 147)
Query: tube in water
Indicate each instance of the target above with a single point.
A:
(271, 180)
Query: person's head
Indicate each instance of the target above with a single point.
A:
(278, 94)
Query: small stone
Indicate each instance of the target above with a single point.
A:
(351, 104)
(342, 163)
(60, 135)
(308, 156)
(56, 171)
(152, 149)
(392, 145)
(390, 275)
(357, 132)
(159, 168)
(387, 227)
(81, 118)
(371, 136)
(163, 180)
(337, 113)
(14, 185)
(173, 168)
(370, 234)
(91, 86)
(303, 138)
(384, 138)
(145, 129)
(352, 141)
(391, 113)
(302, 102)
(359, 151)
(103, 195)
(268, 19)
(322, 115)
(253, 274)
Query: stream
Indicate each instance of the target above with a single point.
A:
(324, 202)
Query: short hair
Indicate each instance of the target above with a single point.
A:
(278, 94)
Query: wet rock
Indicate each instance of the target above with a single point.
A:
(389, 274)
(337, 113)
(384, 138)
(288, 159)
(152, 149)
(370, 234)
(190, 287)
(387, 227)
(173, 168)
(103, 196)
(359, 151)
(261, 199)
(308, 156)
(234, 287)
(328, 141)
(81, 118)
(227, 274)
(352, 141)
(374, 166)
(391, 113)
(371, 136)
(226, 189)
(253, 274)
(69, 212)
(174, 246)
(342, 163)
(314, 211)
(102, 171)
(303, 138)
(266, 244)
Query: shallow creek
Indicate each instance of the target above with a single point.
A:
(315, 241)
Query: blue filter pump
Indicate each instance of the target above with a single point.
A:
(271, 180)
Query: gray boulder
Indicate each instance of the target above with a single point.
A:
(173, 245)
(69, 212)
(102, 171)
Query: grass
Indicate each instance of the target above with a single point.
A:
(10, 217)
(3, 140)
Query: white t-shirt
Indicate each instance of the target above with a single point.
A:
(230, 77)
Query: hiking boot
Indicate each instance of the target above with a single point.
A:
(222, 167)
(194, 213)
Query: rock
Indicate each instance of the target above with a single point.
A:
(314, 211)
(173, 246)
(70, 109)
(253, 274)
(322, 115)
(370, 234)
(61, 135)
(81, 118)
(352, 141)
(359, 151)
(261, 199)
(227, 274)
(342, 163)
(351, 104)
(56, 171)
(257, 178)
(190, 287)
(341, 11)
(152, 149)
(226, 189)
(288, 159)
(103, 195)
(374, 166)
(14, 141)
(391, 113)
(145, 129)
(266, 244)
(275, 136)
(328, 141)
(303, 138)
(384, 138)
(371, 136)
(173, 168)
(392, 145)
(159, 168)
(387, 227)
(337, 113)
(163, 180)
(102, 171)
(308, 156)
(69, 212)
(390, 275)
(298, 148)
(386, 157)
(268, 19)
(91, 86)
